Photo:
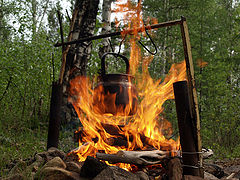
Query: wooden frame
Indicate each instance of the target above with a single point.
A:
(193, 102)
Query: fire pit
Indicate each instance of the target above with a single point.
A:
(135, 137)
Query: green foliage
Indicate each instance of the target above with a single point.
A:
(26, 71)
(18, 143)
(220, 106)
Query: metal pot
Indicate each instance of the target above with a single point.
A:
(114, 93)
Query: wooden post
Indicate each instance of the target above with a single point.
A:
(186, 130)
(56, 102)
(54, 120)
(192, 91)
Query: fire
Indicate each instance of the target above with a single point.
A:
(140, 130)
(201, 63)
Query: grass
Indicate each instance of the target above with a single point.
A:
(19, 143)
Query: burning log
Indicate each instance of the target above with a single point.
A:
(118, 139)
(135, 157)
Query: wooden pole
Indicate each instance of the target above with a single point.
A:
(154, 26)
(192, 91)
(55, 115)
(56, 103)
(185, 125)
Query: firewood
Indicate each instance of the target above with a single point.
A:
(134, 157)
(113, 129)
(118, 138)
(110, 129)
(118, 141)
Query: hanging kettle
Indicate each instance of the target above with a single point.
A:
(114, 93)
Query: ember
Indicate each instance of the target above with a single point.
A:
(141, 131)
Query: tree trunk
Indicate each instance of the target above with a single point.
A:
(79, 54)
(106, 15)
(34, 17)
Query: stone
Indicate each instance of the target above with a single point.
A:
(92, 167)
(209, 176)
(214, 169)
(34, 167)
(72, 166)
(56, 173)
(234, 176)
(44, 155)
(15, 177)
(114, 172)
(232, 169)
(190, 177)
(18, 168)
(142, 175)
(71, 157)
(54, 152)
(38, 158)
(55, 162)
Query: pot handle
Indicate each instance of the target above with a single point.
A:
(103, 71)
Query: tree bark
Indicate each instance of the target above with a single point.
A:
(79, 54)
(106, 28)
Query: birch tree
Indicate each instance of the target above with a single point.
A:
(106, 26)
(84, 19)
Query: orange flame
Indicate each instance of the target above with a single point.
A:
(201, 63)
(142, 129)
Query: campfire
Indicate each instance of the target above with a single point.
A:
(122, 122)
(124, 134)
(110, 130)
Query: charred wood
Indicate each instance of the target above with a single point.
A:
(54, 120)
(119, 139)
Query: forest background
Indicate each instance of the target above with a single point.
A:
(29, 63)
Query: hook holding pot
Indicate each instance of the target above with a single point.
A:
(153, 53)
